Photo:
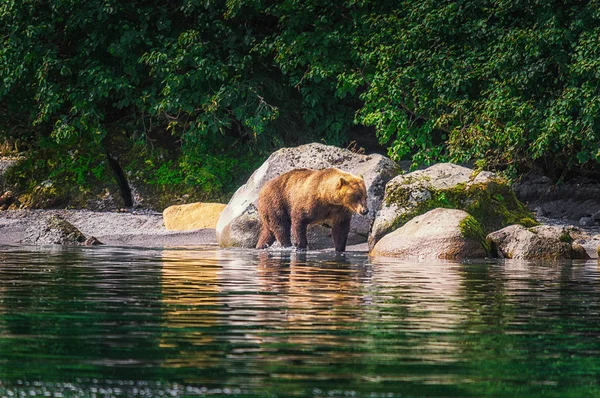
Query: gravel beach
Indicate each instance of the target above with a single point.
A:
(144, 229)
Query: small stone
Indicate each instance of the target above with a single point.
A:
(578, 252)
(586, 221)
(92, 241)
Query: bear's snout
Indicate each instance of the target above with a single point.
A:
(364, 211)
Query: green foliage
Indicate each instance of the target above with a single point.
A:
(502, 84)
(59, 175)
(165, 179)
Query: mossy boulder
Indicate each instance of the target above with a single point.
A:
(447, 234)
(484, 195)
(544, 242)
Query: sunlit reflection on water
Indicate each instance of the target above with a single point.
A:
(122, 321)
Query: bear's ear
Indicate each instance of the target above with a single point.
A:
(342, 181)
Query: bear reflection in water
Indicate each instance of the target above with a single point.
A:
(289, 203)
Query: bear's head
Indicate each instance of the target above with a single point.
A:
(352, 193)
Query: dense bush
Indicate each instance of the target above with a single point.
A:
(194, 93)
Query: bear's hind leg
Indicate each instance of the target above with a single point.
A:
(282, 230)
(266, 237)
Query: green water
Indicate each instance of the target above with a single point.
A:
(205, 322)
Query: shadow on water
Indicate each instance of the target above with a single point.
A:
(278, 323)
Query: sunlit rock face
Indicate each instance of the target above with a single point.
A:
(239, 223)
(192, 216)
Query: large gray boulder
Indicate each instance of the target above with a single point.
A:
(544, 242)
(448, 234)
(485, 196)
(239, 223)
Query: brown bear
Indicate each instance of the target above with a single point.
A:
(301, 197)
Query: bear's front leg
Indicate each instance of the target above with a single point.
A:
(339, 232)
(299, 233)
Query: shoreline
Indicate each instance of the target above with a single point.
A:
(146, 229)
(134, 229)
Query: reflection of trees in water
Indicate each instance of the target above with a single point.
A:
(531, 326)
(75, 312)
(413, 316)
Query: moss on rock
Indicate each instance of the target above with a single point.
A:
(486, 197)
(493, 205)
(471, 229)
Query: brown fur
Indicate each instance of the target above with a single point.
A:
(292, 201)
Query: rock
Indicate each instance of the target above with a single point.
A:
(484, 195)
(579, 252)
(54, 231)
(543, 242)
(588, 242)
(438, 234)
(239, 224)
(586, 221)
(192, 216)
(92, 241)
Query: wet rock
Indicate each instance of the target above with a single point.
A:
(584, 239)
(543, 242)
(54, 231)
(437, 234)
(92, 241)
(484, 195)
(192, 216)
(239, 224)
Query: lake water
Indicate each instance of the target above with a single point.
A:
(102, 321)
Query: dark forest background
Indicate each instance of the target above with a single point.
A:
(187, 97)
